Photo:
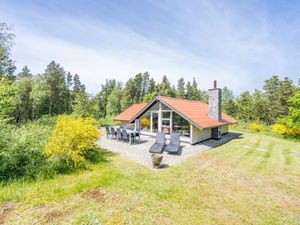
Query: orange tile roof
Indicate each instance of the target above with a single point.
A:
(196, 112)
(131, 112)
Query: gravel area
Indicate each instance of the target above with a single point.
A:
(139, 152)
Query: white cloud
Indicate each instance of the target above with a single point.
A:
(128, 54)
(209, 42)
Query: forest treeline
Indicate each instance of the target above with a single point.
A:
(26, 96)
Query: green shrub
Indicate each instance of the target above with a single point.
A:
(22, 152)
(107, 121)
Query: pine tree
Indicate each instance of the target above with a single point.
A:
(192, 91)
(128, 96)
(7, 66)
(113, 106)
(145, 85)
(244, 106)
(164, 88)
(25, 72)
(56, 88)
(278, 92)
(181, 88)
(101, 97)
(24, 104)
(152, 86)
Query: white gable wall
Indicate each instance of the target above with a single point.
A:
(224, 129)
(198, 135)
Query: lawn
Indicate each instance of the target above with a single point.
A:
(251, 180)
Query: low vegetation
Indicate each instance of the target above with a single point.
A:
(43, 148)
(256, 127)
(253, 179)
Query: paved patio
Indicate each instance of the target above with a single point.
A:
(139, 152)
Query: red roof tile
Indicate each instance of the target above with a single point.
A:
(130, 113)
(196, 112)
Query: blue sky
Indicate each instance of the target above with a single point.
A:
(239, 43)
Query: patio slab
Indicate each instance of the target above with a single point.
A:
(139, 152)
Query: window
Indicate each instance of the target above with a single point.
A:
(166, 115)
(166, 123)
(163, 107)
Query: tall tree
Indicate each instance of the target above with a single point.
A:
(7, 66)
(7, 98)
(56, 88)
(259, 109)
(278, 93)
(228, 104)
(244, 106)
(292, 120)
(128, 96)
(69, 83)
(101, 97)
(192, 91)
(24, 104)
(181, 88)
(152, 86)
(113, 106)
(137, 88)
(82, 103)
(164, 87)
(77, 85)
(145, 84)
(25, 72)
(39, 96)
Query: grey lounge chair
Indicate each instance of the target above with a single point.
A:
(158, 146)
(174, 145)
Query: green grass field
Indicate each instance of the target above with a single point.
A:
(250, 180)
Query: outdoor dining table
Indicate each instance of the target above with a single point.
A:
(131, 134)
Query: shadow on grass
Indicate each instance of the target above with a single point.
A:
(99, 155)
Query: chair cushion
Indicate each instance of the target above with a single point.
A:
(172, 148)
(156, 148)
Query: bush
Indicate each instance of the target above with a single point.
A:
(284, 130)
(256, 127)
(22, 151)
(71, 140)
(107, 121)
(145, 122)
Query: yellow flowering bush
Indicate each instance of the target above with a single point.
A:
(256, 127)
(284, 130)
(145, 122)
(71, 139)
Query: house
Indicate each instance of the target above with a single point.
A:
(195, 121)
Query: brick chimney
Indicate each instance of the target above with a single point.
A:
(215, 102)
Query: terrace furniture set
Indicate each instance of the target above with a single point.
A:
(123, 134)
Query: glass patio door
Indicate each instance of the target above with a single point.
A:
(166, 121)
(154, 122)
